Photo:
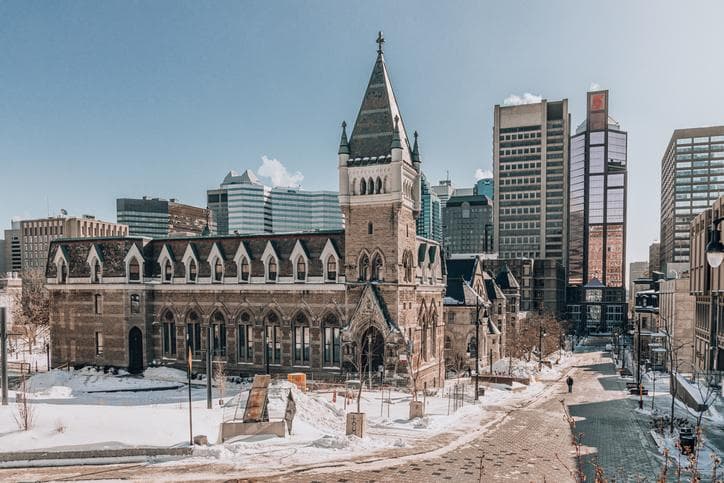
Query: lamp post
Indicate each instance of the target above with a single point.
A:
(638, 365)
(477, 342)
(541, 334)
(714, 256)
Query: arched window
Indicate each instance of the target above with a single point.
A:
(218, 329)
(218, 271)
(331, 269)
(370, 186)
(245, 338)
(135, 303)
(362, 186)
(244, 269)
(433, 335)
(364, 266)
(63, 272)
(354, 186)
(300, 331)
(169, 334)
(193, 272)
(301, 269)
(167, 271)
(96, 274)
(423, 341)
(134, 270)
(193, 333)
(272, 270)
(472, 347)
(330, 341)
(378, 188)
(407, 266)
(377, 267)
(272, 337)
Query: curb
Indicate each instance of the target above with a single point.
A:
(9, 459)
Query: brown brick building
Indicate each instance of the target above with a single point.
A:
(323, 303)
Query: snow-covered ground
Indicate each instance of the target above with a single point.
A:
(87, 409)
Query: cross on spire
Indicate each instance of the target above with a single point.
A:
(380, 40)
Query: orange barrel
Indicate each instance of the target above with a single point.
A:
(299, 379)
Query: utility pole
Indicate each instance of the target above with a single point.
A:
(477, 342)
(540, 345)
(209, 356)
(4, 355)
(638, 366)
(189, 367)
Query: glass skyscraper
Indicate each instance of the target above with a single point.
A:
(692, 178)
(429, 222)
(597, 220)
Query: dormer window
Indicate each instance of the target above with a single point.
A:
(301, 269)
(331, 269)
(218, 271)
(63, 272)
(167, 272)
(193, 271)
(245, 270)
(272, 270)
(134, 271)
(96, 274)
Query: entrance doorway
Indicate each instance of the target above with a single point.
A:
(373, 352)
(135, 351)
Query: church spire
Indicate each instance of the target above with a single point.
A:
(396, 135)
(416, 154)
(343, 143)
(380, 40)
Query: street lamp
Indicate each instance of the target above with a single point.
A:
(714, 256)
(477, 340)
(541, 334)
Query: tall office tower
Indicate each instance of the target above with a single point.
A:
(468, 224)
(295, 210)
(485, 186)
(429, 222)
(692, 178)
(13, 250)
(635, 270)
(530, 168)
(655, 257)
(444, 191)
(36, 235)
(597, 220)
(158, 218)
(243, 205)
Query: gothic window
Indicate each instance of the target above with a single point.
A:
(96, 274)
(193, 333)
(244, 269)
(273, 339)
(364, 265)
(169, 334)
(98, 303)
(378, 188)
(423, 341)
(377, 267)
(134, 271)
(300, 331)
(167, 272)
(407, 266)
(301, 269)
(362, 186)
(193, 272)
(370, 186)
(353, 187)
(63, 272)
(245, 338)
(472, 347)
(218, 271)
(272, 270)
(433, 338)
(218, 330)
(135, 303)
(331, 269)
(331, 340)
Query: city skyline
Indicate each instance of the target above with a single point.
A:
(181, 95)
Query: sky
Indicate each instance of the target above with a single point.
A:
(100, 100)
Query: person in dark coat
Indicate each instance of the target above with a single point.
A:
(569, 381)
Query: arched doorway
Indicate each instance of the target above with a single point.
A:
(135, 351)
(373, 351)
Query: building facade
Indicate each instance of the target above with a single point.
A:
(36, 235)
(692, 178)
(655, 257)
(530, 168)
(485, 186)
(158, 218)
(369, 297)
(429, 223)
(468, 226)
(676, 319)
(597, 219)
(636, 270)
(706, 285)
(243, 205)
(12, 249)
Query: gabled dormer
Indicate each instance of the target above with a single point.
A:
(134, 263)
(216, 262)
(243, 263)
(166, 262)
(191, 263)
(60, 260)
(300, 262)
(270, 259)
(330, 262)
(95, 263)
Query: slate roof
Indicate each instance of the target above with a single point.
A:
(506, 280)
(373, 130)
(114, 251)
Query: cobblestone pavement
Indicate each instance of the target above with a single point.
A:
(528, 443)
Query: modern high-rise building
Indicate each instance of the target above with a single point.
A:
(36, 235)
(654, 257)
(12, 251)
(597, 220)
(429, 221)
(158, 218)
(636, 270)
(530, 168)
(692, 178)
(485, 186)
(468, 226)
(444, 191)
(243, 205)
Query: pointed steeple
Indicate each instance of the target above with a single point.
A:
(375, 125)
(396, 135)
(343, 143)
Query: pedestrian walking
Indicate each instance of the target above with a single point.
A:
(569, 381)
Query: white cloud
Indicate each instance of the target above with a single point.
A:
(595, 86)
(278, 174)
(516, 100)
(483, 173)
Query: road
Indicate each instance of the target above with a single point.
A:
(528, 443)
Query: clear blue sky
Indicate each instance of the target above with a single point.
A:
(100, 100)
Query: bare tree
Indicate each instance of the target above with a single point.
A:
(219, 376)
(31, 312)
(24, 412)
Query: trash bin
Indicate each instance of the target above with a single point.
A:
(687, 440)
(481, 391)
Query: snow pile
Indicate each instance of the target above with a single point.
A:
(515, 367)
(163, 373)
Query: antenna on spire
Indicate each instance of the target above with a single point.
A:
(380, 40)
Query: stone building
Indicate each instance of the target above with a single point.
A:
(359, 299)
(473, 295)
(676, 319)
